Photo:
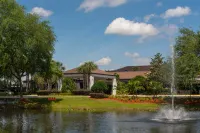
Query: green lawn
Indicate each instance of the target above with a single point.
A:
(78, 103)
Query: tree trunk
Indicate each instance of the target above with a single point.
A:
(85, 81)
(48, 85)
(21, 87)
(88, 81)
(27, 82)
(31, 85)
(4, 81)
(10, 83)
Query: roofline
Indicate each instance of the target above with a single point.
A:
(128, 66)
(92, 73)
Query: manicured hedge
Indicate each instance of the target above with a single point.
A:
(99, 87)
(55, 92)
(47, 92)
(81, 92)
(98, 95)
(3, 94)
(43, 92)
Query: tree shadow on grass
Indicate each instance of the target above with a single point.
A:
(46, 100)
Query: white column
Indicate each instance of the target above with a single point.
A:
(91, 82)
(114, 87)
(78, 85)
(59, 82)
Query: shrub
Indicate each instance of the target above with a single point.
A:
(99, 87)
(26, 93)
(25, 104)
(64, 94)
(81, 92)
(3, 94)
(55, 91)
(122, 88)
(136, 85)
(155, 87)
(43, 92)
(68, 85)
(98, 95)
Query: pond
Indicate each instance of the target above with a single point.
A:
(86, 122)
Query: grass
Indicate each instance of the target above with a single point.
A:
(82, 103)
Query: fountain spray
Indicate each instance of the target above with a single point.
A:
(172, 114)
(173, 75)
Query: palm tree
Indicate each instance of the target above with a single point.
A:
(86, 69)
(39, 80)
(90, 66)
(54, 74)
(81, 69)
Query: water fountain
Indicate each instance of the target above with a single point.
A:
(172, 114)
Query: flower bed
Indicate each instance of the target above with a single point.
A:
(128, 99)
(29, 104)
(51, 99)
(159, 100)
(184, 100)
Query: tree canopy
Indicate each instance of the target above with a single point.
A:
(86, 69)
(26, 42)
(156, 65)
(50, 77)
(136, 84)
(187, 49)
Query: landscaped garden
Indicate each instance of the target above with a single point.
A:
(26, 54)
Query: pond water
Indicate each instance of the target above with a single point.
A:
(13, 121)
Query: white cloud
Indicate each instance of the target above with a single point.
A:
(89, 5)
(177, 12)
(137, 59)
(81, 63)
(159, 4)
(133, 55)
(104, 61)
(41, 12)
(169, 30)
(122, 26)
(141, 39)
(148, 17)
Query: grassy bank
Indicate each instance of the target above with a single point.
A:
(81, 103)
(84, 103)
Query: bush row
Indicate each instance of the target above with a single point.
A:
(81, 92)
(138, 99)
(98, 95)
(76, 92)
(47, 92)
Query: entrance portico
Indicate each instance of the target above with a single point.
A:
(96, 75)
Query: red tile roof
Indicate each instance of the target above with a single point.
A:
(130, 75)
(97, 71)
(131, 68)
(122, 75)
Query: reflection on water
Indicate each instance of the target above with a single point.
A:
(110, 122)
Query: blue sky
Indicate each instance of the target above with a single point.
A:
(114, 33)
